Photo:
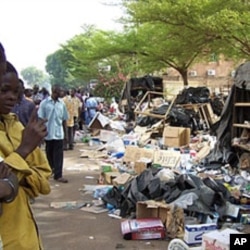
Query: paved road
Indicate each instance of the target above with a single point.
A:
(73, 229)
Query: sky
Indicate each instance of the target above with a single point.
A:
(30, 30)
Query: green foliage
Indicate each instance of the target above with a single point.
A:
(33, 76)
(157, 34)
(57, 68)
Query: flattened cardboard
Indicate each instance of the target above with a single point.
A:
(167, 158)
(134, 153)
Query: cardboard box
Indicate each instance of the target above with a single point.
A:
(130, 139)
(99, 121)
(217, 239)
(142, 229)
(171, 216)
(193, 233)
(176, 136)
(147, 209)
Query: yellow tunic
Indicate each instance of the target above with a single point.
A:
(73, 104)
(18, 228)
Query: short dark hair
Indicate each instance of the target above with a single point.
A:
(10, 68)
(2, 53)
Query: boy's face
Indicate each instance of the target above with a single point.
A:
(9, 90)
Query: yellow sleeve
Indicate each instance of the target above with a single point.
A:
(34, 170)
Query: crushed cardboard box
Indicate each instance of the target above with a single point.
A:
(122, 179)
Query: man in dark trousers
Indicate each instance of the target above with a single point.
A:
(54, 110)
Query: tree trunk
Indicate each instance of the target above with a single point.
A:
(184, 75)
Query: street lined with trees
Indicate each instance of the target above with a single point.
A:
(156, 35)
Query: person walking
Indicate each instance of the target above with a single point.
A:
(20, 154)
(91, 107)
(54, 110)
(73, 105)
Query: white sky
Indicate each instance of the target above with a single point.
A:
(30, 30)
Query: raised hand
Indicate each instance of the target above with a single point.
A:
(33, 134)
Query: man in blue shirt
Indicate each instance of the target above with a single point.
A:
(91, 107)
(54, 110)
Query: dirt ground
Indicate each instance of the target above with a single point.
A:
(74, 229)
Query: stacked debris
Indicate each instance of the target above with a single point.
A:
(176, 162)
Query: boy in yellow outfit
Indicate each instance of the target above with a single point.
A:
(21, 154)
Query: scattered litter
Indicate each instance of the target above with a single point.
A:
(94, 209)
(67, 204)
(89, 177)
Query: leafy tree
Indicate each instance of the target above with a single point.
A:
(229, 25)
(94, 50)
(57, 68)
(33, 76)
(185, 32)
(158, 34)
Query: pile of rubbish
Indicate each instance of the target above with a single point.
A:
(183, 169)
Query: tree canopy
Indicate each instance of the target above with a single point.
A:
(33, 76)
(157, 34)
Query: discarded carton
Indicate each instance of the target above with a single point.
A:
(171, 216)
(176, 136)
(218, 239)
(193, 233)
(99, 121)
(130, 139)
(167, 158)
(134, 153)
(122, 179)
(142, 229)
